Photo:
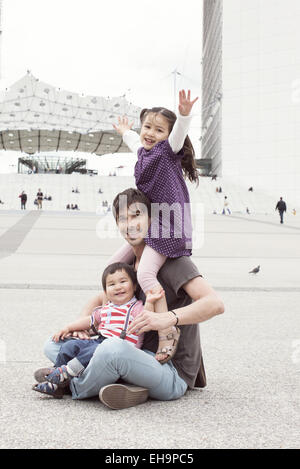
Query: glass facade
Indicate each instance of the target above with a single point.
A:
(260, 138)
(212, 83)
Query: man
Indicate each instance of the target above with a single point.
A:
(23, 197)
(281, 207)
(191, 301)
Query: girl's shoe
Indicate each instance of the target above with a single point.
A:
(170, 343)
(50, 389)
(59, 376)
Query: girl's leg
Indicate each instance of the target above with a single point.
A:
(150, 263)
(124, 254)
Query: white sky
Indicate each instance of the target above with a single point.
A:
(107, 47)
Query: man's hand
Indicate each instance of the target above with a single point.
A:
(123, 125)
(148, 321)
(185, 103)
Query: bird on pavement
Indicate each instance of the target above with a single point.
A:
(255, 270)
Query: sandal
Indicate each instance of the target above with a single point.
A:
(172, 335)
(50, 389)
(59, 376)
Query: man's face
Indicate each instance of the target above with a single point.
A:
(133, 223)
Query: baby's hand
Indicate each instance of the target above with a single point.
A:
(61, 334)
(185, 103)
(152, 297)
(123, 125)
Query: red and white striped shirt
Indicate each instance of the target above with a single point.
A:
(109, 320)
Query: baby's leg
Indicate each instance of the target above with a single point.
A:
(73, 358)
(150, 263)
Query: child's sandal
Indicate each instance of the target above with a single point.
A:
(169, 349)
(50, 389)
(59, 376)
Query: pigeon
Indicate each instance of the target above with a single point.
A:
(255, 270)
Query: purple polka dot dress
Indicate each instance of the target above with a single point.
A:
(158, 174)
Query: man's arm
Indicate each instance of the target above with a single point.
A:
(206, 304)
(92, 304)
(87, 311)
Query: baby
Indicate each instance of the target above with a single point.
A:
(109, 321)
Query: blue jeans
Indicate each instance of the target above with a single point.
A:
(116, 359)
(82, 350)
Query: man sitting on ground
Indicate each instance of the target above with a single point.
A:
(191, 300)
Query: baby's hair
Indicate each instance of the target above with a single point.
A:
(188, 162)
(118, 266)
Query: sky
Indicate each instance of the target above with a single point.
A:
(106, 48)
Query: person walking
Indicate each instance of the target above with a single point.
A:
(281, 207)
(226, 206)
(39, 197)
(23, 197)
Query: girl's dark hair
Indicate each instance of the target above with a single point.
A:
(188, 162)
(113, 268)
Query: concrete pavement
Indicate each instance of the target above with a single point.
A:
(51, 264)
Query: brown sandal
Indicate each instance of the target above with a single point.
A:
(169, 349)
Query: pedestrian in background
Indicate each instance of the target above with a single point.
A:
(226, 206)
(281, 207)
(39, 198)
(23, 197)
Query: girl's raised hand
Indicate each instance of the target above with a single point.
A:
(123, 125)
(185, 103)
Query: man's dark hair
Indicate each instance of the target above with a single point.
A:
(113, 268)
(133, 196)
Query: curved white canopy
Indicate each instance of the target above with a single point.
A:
(37, 117)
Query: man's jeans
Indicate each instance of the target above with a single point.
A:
(116, 359)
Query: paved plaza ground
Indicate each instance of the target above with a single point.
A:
(51, 264)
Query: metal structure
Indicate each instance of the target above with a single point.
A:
(36, 117)
(212, 88)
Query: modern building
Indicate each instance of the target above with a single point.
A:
(38, 119)
(254, 137)
(211, 138)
